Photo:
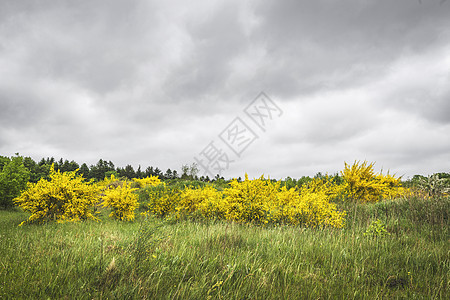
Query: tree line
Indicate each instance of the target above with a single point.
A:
(100, 170)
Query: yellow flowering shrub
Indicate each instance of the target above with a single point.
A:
(109, 181)
(163, 199)
(317, 208)
(257, 201)
(121, 199)
(147, 181)
(363, 185)
(207, 201)
(65, 197)
(392, 186)
(263, 201)
(309, 206)
(249, 200)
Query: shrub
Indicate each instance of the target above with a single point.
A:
(66, 197)
(361, 184)
(120, 197)
(13, 179)
(263, 201)
(376, 229)
(318, 209)
(147, 181)
(434, 186)
(257, 201)
(250, 200)
(207, 201)
(162, 199)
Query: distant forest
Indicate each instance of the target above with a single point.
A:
(101, 170)
(104, 168)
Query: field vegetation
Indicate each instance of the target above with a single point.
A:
(354, 235)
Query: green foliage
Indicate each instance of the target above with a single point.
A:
(4, 160)
(100, 170)
(434, 185)
(36, 171)
(376, 229)
(13, 179)
(155, 259)
(189, 172)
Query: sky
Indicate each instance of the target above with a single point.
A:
(273, 88)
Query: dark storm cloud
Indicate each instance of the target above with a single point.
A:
(218, 35)
(94, 44)
(140, 81)
(319, 45)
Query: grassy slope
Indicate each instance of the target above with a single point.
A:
(151, 258)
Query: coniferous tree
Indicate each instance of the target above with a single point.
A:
(84, 171)
(149, 172)
(139, 173)
(158, 172)
(168, 174)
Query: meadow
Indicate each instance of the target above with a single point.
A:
(354, 235)
(392, 249)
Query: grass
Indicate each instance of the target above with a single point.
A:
(155, 259)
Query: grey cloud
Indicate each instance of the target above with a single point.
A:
(201, 74)
(156, 81)
(312, 44)
(96, 44)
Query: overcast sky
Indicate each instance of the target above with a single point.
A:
(159, 83)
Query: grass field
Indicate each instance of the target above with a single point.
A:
(152, 258)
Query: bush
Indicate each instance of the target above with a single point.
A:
(162, 199)
(207, 201)
(13, 179)
(121, 199)
(361, 184)
(66, 197)
(247, 200)
(147, 181)
(257, 201)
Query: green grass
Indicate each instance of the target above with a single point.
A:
(156, 259)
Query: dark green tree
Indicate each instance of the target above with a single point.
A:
(158, 173)
(84, 171)
(128, 172)
(168, 174)
(13, 179)
(99, 171)
(139, 173)
(149, 172)
(4, 161)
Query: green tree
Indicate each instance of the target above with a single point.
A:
(168, 174)
(3, 161)
(13, 179)
(158, 172)
(189, 172)
(149, 172)
(139, 173)
(128, 172)
(100, 169)
(84, 171)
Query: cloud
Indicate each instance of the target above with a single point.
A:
(152, 83)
